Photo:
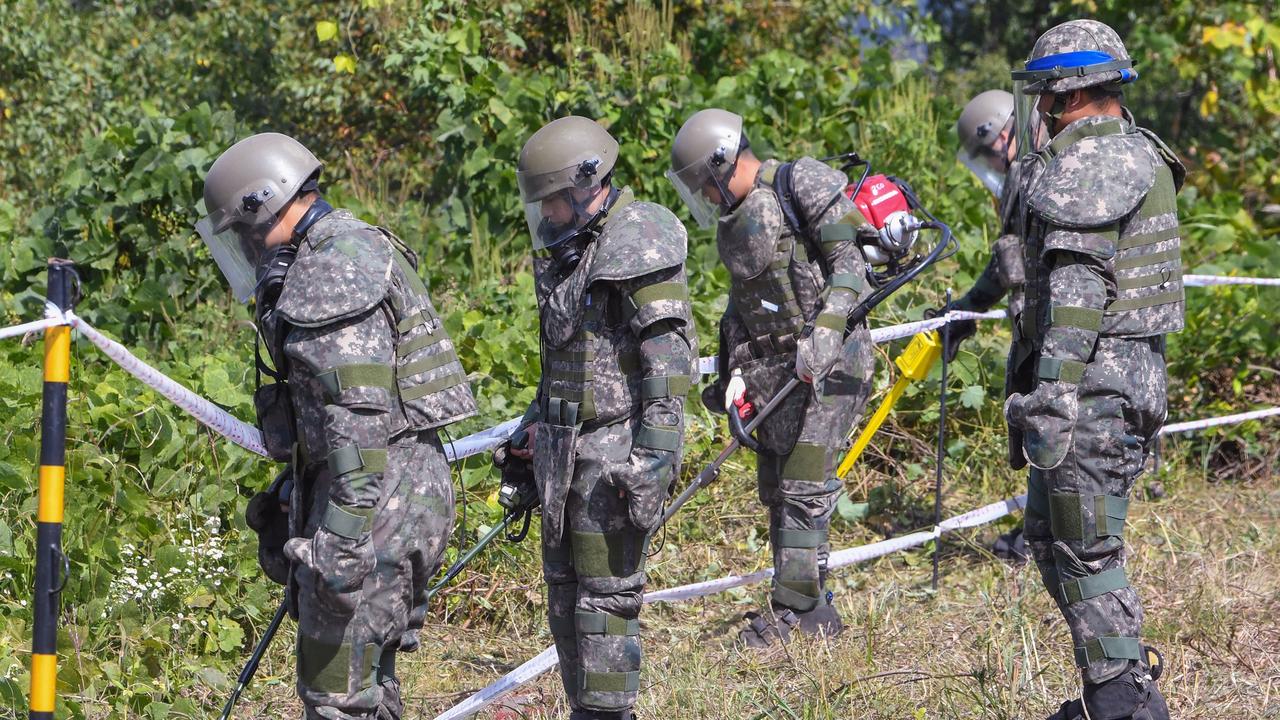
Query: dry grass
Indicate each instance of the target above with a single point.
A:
(988, 645)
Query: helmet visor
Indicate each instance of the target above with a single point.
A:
(560, 215)
(701, 192)
(237, 248)
(984, 170)
(1030, 131)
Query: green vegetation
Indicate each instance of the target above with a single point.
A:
(111, 112)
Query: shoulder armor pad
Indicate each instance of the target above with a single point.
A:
(1095, 181)
(642, 238)
(1169, 157)
(747, 238)
(342, 270)
(814, 184)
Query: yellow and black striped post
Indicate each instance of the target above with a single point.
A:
(50, 562)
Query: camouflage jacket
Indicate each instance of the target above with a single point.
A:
(777, 283)
(366, 356)
(617, 329)
(1004, 273)
(1102, 249)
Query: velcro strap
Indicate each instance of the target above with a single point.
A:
(562, 626)
(1130, 262)
(1084, 318)
(606, 554)
(850, 281)
(1108, 647)
(807, 463)
(837, 232)
(337, 379)
(611, 681)
(422, 317)
(1150, 238)
(1110, 513)
(832, 321)
(1094, 585)
(352, 458)
(657, 292)
(1138, 303)
(1049, 368)
(413, 392)
(426, 364)
(423, 340)
(665, 386)
(794, 599)
(1065, 516)
(801, 538)
(348, 521)
(598, 623)
(658, 438)
(326, 668)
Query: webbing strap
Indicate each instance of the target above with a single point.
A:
(339, 378)
(803, 539)
(1085, 318)
(423, 340)
(422, 317)
(665, 386)
(1110, 513)
(1108, 647)
(832, 321)
(658, 438)
(849, 281)
(348, 521)
(1151, 238)
(658, 292)
(611, 681)
(1138, 303)
(1050, 368)
(414, 392)
(807, 463)
(426, 364)
(351, 458)
(1135, 261)
(794, 599)
(837, 232)
(1094, 585)
(1143, 281)
(599, 623)
(326, 668)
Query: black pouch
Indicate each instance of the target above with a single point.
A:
(274, 408)
(270, 521)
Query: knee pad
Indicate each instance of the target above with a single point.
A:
(1090, 524)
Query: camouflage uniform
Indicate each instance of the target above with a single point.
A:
(778, 285)
(1003, 273)
(372, 374)
(618, 346)
(1087, 380)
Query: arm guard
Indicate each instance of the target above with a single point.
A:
(660, 316)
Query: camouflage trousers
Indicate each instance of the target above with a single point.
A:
(1076, 511)
(800, 488)
(595, 578)
(347, 642)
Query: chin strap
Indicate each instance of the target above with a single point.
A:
(319, 208)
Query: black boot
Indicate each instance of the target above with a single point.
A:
(601, 715)
(1131, 696)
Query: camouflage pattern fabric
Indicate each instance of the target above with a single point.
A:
(1004, 274)
(816, 279)
(1076, 36)
(371, 374)
(618, 350)
(1087, 372)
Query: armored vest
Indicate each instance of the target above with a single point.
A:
(344, 269)
(776, 281)
(1106, 188)
(591, 364)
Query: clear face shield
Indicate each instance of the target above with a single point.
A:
(557, 204)
(1031, 133)
(703, 184)
(990, 163)
(236, 238)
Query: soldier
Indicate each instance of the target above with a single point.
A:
(792, 242)
(607, 428)
(366, 374)
(1104, 285)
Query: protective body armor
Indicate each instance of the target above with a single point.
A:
(777, 282)
(595, 377)
(363, 267)
(1130, 225)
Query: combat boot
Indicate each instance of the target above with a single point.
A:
(583, 714)
(1131, 696)
(761, 633)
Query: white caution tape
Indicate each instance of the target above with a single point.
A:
(1210, 280)
(52, 318)
(1224, 420)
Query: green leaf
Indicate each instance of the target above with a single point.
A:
(344, 63)
(851, 511)
(973, 396)
(326, 30)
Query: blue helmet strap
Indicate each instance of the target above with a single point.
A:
(1075, 64)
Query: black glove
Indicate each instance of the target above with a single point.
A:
(268, 516)
(956, 332)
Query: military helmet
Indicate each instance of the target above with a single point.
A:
(704, 154)
(983, 119)
(245, 190)
(1076, 55)
(560, 170)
